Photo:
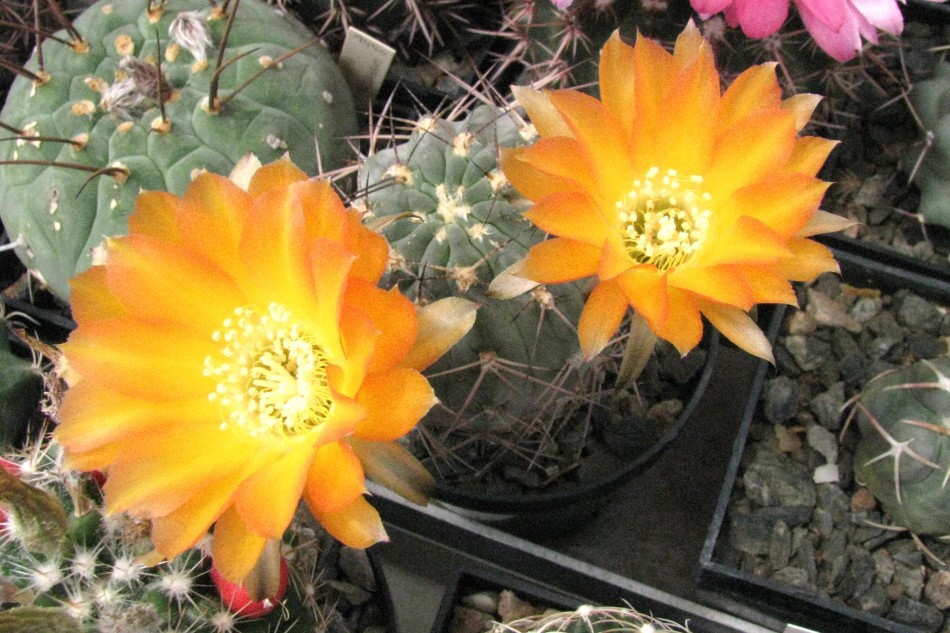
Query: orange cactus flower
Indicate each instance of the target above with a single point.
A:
(682, 200)
(235, 354)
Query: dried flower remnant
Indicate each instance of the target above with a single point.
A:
(235, 354)
(678, 214)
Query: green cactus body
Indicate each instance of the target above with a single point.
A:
(104, 95)
(465, 228)
(931, 100)
(903, 456)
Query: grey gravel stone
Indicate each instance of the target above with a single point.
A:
(925, 617)
(917, 313)
(780, 399)
(937, 589)
(827, 407)
(859, 574)
(792, 576)
(809, 352)
(866, 308)
(355, 565)
(780, 545)
(874, 600)
(823, 442)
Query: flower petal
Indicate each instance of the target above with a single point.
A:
(761, 18)
(441, 325)
(235, 548)
(747, 241)
(547, 167)
(754, 90)
(330, 264)
(371, 249)
(784, 203)
(210, 216)
(544, 116)
(268, 499)
(646, 290)
(653, 72)
(392, 466)
(395, 401)
(684, 327)
(392, 314)
(279, 174)
(357, 525)
(809, 155)
(558, 260)
(335, 479)
(570, 214)
(599, 321)
(809, 259)
(749, 151)
(90, 299)
(739, 328)
(154, 215)
(616, 81)
(723, 284)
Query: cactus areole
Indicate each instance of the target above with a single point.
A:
(146, 100)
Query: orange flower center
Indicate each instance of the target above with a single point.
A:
(664, 218)
(270, 377)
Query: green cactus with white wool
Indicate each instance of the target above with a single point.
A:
(589, 619)
(903, 456)
(931, 166)
(454, 223)
(139, 95)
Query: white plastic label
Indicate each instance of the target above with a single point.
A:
(364, 61)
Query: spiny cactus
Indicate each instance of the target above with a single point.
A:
(931, 167)
(454, 224)
(588, 619)
(65, 566)
(139, 94)
(903, 455)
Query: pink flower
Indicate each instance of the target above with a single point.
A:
(836, 25)
(562, 4)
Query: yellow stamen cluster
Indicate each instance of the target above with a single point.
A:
(270, 377)
(664, 218)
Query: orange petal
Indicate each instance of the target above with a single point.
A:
(371, 249)
(802, 106)
(720, 283)
(235, 549)
(98, 458)
(154, 215)
(92, 416)
(646, 290)
(330, 263)
(809, 259)
(687, 145)
(558, 260)
(359, 336)
(392, 314)
(395, 401)
(607, 154)
(753, 149)
(754, 90)
(614, 258)
(545, 118)
(601, 317)
(274, 252)
(784, 203)
(268, 499)
(739, 328)
(335, 479)
(441, 325)
(278, 174)
(392, 466)
(549, 166)
(747, 241)
(159, 473)
(809, 155)
(653, 72)
(357, 525)
(684, 327)
(616, 81)
(322, 209)
(177, 531)
(90, 298)
(211, 216)
(152, 362)
(570, 214)
(768, 286)
(157, 281)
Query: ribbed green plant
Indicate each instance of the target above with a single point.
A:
(903, 456)
(139, 94)
(454, 223)
(931, 167)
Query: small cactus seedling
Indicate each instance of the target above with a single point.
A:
(139, 95)
(930, 169)
(903, 455)
(454, 224)
(588, 619)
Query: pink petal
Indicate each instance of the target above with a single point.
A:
(842, 44)
(758, 18)
(833, 14)
(884, 14)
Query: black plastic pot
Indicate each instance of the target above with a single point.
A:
(765, 600)
(563, 509)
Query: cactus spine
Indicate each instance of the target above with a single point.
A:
(138, 95)
(903, 456)
(588, 619)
